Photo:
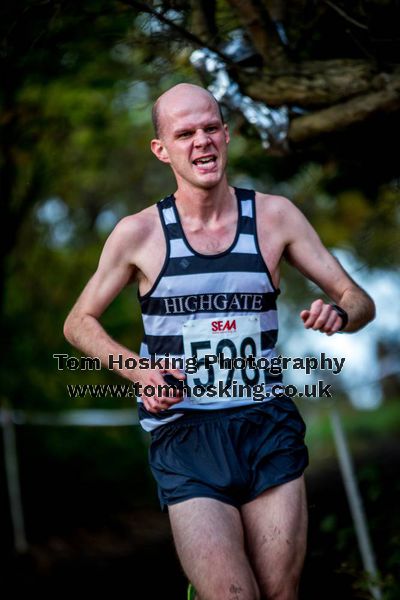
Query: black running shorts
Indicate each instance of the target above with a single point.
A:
(231, 454)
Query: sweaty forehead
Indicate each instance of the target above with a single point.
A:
(187, 108)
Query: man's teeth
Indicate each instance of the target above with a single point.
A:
(204, 161)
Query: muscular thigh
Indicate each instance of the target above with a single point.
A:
(275, 525)
(209, 540)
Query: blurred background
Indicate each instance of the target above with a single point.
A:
(78, 83)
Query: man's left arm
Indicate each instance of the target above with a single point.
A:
(306, 252)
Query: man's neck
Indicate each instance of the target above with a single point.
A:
(204, 204)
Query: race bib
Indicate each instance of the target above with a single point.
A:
(221, 347)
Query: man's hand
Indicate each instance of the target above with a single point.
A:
(322, 317)
(155, 403)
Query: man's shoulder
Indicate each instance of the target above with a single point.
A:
(133, 233)
(139, 224)
(273, 205)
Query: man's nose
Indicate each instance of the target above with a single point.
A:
(201, 138)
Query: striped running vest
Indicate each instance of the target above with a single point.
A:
(216, 306)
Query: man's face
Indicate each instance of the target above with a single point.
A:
(193, 139)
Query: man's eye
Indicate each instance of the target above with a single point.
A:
(184, 134)
(211, 128)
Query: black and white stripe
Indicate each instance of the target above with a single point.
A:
(192, 286)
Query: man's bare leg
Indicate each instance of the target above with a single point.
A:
(209, 540)
(275, 525)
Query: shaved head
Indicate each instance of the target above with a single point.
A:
(189, 128)
(170, 98)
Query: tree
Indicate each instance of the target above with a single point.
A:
(339, 64)
(76, 122)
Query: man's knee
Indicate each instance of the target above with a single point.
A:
(227, 582)
(283, 587)
(231, 589)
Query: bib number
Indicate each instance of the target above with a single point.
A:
(210, 341)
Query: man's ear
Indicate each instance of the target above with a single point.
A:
(227, 136)
(158, 148)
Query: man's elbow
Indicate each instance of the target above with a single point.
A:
(371, 310)
(362, 310)
(70, 328)
(367, 312)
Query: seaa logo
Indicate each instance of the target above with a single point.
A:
(223, 325)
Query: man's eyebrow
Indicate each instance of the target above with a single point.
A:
(192, 127)
(183, 129)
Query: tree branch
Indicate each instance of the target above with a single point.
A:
(342, 115)
(256, 20)
(313, 83)
(341, 12)
(183, 33)
(203, 20)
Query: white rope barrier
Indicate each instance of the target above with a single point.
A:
(10, 418)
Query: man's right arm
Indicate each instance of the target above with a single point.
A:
(116, 268)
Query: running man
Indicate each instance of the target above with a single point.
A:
(206, 258)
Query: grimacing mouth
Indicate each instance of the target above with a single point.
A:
(203, 160)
